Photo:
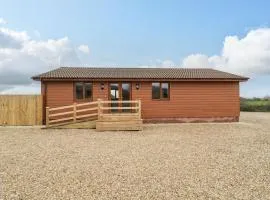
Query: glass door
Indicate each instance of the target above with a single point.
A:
(126, 95)
(114, 95)
(120, 92)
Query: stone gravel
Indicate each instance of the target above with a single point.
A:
(164, 161)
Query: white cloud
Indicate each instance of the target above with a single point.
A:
(22, 57)
(197, 61)
(167, 63)
(158, 63)
(12, 39)
(33, 88)
(2, 21)
(248, 55)
(84, 48)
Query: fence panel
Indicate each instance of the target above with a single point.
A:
(20, 110)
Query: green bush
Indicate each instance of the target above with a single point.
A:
(255, 105)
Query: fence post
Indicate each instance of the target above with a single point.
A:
(47, 117)
(99, 108)
(74, 112)
(140, 108)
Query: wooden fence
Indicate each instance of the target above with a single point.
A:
(20, 110)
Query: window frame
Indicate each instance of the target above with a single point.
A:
(84, 86)
(160, 91)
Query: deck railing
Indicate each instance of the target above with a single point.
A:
(79, 112)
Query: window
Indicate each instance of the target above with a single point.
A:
(164, 90)
(88, 90)
(83, 90)
(160, 90)
(155, 90)
(79, 90)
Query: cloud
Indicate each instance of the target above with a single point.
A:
(33, 88)
(167, 64)
(248, 55)
(197, 61)
(84, 48)
(2, 21)
(12, 39)
(158, 63)
(22, 57)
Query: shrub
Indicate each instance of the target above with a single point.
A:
(255, 105)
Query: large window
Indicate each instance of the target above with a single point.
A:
(155, 90)
(164, 90)
(160, 90)
(83, 91)
(88, 90)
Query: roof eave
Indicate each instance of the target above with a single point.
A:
(37, 78)
(244, 79)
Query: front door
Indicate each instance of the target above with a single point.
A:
(120, 92)
(126, 95)
(114, 95)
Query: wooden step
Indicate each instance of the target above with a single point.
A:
(119, 117)
(131, 125)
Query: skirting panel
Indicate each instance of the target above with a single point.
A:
(192, 120)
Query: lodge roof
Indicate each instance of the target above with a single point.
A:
(137, 73)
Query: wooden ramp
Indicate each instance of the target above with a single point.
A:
(102, 115)
(88, 124)
(72, 116)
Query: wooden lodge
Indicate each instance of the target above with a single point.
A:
(123, 98)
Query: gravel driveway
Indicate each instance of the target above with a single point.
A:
(166, 161)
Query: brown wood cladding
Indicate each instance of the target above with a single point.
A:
(191, 99)
(187, 99)
(59, 93)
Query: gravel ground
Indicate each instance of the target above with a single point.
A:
(166, 161)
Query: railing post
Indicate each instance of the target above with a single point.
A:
(140, 109)
(47, 117)
(99, 107)
(74, 112)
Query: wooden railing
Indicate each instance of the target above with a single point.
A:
(105, 107)
(89, 111)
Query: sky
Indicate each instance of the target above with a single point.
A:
(37, 36)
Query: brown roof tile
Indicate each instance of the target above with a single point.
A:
(136, 73)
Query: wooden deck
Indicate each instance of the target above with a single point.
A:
(102, 115)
